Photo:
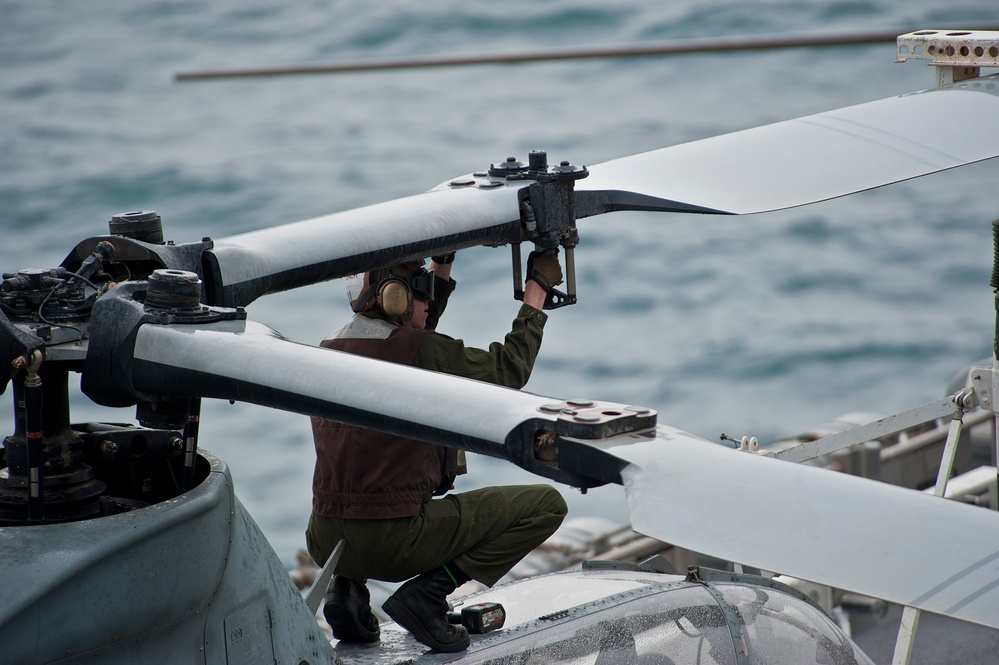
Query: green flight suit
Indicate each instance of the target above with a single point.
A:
(485, 532)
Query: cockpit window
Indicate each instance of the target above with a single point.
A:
(780, 628)
(680, 626)
(758, 626)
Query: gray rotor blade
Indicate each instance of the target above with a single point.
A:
(674, 47)
(249, 362)
(818, 157)
(786, 164)
(848, 532)
(242, 268)
(844, 531)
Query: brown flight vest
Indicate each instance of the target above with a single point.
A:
(362, 473)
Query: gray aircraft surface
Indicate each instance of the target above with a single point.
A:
(97, 518)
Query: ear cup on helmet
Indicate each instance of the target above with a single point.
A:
(395, 297)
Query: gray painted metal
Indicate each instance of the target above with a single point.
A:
(258, 367)
(314, 598)
(248, 362)
(821, 156)
(187, 580)
(777, 166)
(809, 450)
(844, 531)
(280, 258)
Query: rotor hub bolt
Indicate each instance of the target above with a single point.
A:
(538, 160)
(144, 225)
(174, 290)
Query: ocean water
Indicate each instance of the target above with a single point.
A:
(762, 325)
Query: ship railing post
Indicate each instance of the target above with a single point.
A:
(964, 401)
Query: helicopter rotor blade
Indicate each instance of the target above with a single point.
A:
(674, 47)
(240, 269)
(819, 525)
(776, 166)
(844, 531)
(818, 157)
(131, 358)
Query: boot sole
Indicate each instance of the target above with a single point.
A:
(402, 616)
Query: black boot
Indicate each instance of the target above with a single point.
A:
(348, 611)
(420, 606)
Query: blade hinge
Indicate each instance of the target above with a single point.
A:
(570, 441)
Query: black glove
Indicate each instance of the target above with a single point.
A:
(544, 268)
(443, 259)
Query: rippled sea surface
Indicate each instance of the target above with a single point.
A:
(762, 325)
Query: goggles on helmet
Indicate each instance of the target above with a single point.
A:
(422, 284)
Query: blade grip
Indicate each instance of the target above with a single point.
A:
(573, 448)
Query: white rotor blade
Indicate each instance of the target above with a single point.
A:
(832, 528)
(244, 267)
(673, 47)
(818, 157)
(848, 532)
(130, 358)
(777, 166)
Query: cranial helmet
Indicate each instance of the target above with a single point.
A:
(393, 289)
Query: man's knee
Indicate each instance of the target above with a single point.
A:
(551, 506)
(556, 501)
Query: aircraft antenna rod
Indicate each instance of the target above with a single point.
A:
(672, 47)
